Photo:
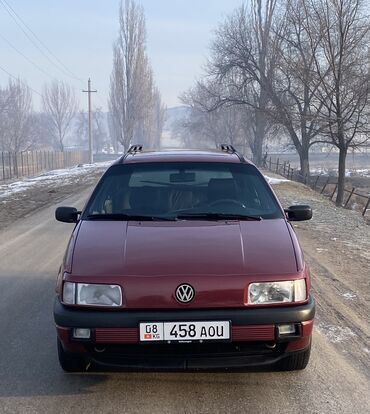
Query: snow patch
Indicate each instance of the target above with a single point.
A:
(66, 175)
(336, 334)
(275, 181)
(353, 172)
(349, 296)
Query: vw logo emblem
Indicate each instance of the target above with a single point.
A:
(185, 293)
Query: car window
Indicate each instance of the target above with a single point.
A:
(171, 189)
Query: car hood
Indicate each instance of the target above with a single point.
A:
(113, 248)
(151, 259)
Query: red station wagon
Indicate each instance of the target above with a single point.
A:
(183, 260)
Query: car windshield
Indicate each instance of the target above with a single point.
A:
(185, 191)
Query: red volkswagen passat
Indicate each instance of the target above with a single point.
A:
(183, 260)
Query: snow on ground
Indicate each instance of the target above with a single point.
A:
(349, 296)
(275, 181)
(66, 176)
(358, 172)
(335, 333)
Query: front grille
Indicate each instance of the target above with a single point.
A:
(247, 333)
(116, 335)
(253, 333)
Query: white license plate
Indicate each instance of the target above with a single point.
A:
(184, 331)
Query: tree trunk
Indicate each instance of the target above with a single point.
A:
(259, 137)
(115, 145)
(304, 161)
(341, 175)
(301, 147)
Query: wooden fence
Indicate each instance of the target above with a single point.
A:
(325, 185)
(30, 163)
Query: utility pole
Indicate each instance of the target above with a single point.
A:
(89, 91)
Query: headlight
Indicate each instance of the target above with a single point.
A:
(92, 294)
(277, 292)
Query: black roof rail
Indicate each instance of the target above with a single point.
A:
(230, 148)
(135, 148)
(227, 148)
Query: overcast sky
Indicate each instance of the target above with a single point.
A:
(81, 32)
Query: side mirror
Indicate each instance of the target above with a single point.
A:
(299, 213)
(67, 214)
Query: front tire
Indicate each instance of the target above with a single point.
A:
(296, 361)
(70, 362)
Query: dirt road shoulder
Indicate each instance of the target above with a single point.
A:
(336, 243)
(22, 198)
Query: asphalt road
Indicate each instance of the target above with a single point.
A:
(31, 380)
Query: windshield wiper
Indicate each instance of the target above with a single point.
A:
(128, 217)
(217, 216)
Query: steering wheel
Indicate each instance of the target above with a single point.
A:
(227, 201)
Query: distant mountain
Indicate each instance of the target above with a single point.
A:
(175, 114)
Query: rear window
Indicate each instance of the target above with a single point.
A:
(170, 189)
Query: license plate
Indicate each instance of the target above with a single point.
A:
(184, 331)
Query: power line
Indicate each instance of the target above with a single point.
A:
(17, 79)
(26, 57)
(60, 66)
(64, 68)
(31, 62)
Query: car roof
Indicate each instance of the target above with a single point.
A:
(182, 155)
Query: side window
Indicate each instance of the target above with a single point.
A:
(110, 197)
(261, 198)
(103, 199)
(253, 193)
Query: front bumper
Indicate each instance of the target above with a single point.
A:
(77, 317)
(255, 342)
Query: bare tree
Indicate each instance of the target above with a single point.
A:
(40, 131)
(15, 116)
(99, 131)
(267, 61)
(149, 130)
(60, 105)
(296, 81)
(344, 69)
(136, 109)
(100, 135)
(81, 129)
(206, 125)
(114, 130)
(263, 24)
(244, 59)
(303, 65)
(158, 118)
(129, 60)
(5, 97)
